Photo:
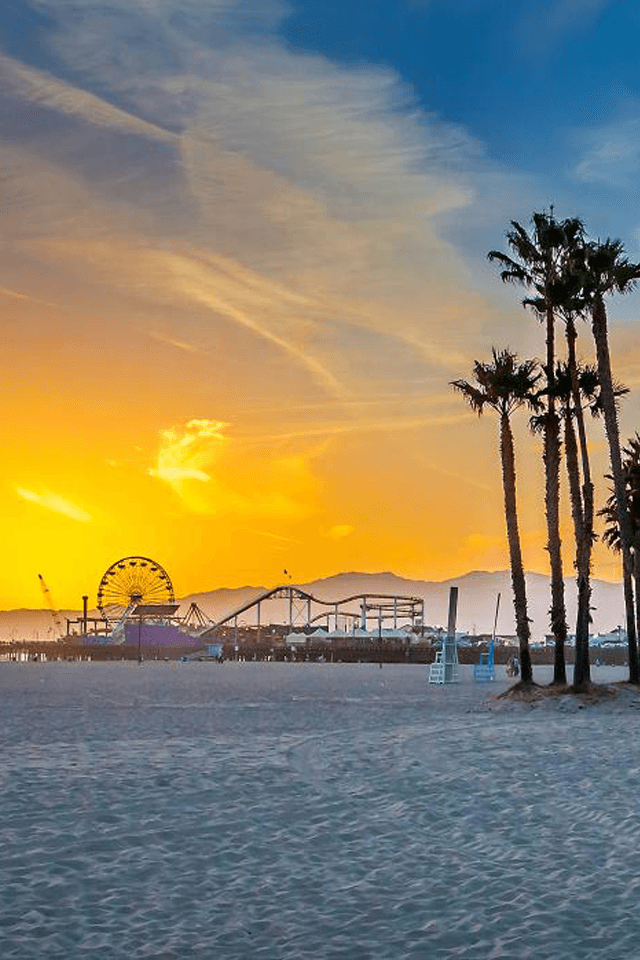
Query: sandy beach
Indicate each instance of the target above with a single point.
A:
(282, 811)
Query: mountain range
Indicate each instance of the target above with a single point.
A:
(477, 596)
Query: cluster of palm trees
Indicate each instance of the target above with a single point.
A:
(567, 278)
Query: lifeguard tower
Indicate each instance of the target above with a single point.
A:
(485, 670)
(445, 667)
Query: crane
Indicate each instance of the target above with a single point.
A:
(50, 604)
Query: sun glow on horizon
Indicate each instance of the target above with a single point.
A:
(237, 278)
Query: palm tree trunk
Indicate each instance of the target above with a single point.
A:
(584, 533)
(551, 459)
(573, 472)
(636, 581)
(558, 617)
(629, 604)
(581, 672)
(507, 456)
(599, 327)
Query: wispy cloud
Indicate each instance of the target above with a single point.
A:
(301, 192)
(55, 504)
(389, 425)
(273, 218)
(18, 295)
(566, 14)
(340, 530)
(45, 90)
(211, 475)
(612, 155)
(201, 284)
(269, 535)
(173, 341)
(554, 19)
(183, 454)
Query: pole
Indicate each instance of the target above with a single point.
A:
(453, 612)
(495, 622)
(449, 648)
(139, 641)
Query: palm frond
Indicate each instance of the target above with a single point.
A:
(538, 304)
(476, 398)
(523, 245)
(608, 270)
(631, 471)
(538, 423)
(513, 272)
(503, 383)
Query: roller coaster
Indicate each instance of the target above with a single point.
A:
(135, 583)
(302, 610)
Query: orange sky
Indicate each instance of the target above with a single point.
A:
(236, 365)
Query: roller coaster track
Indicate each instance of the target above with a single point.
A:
(400, 603)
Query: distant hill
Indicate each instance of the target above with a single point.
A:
(32, 624)
(477, 595)
(478, 591)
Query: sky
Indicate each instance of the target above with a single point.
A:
(243, 254)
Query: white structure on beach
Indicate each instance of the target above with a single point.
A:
(353, 636)
(445, 667)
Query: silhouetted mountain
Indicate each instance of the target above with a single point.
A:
(478, 591)
(26, 624)
(477, 596)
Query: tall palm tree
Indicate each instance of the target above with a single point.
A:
(611, 535)
(607, 271)
(538, 265)
(564, 394)
(505, 385)
(573, 403)
(582, 383)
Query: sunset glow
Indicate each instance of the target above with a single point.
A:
(238, 272)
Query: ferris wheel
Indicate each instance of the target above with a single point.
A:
(131, 581)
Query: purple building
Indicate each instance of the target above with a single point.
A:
(158, 635)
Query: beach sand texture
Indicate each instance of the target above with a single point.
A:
(281, 811)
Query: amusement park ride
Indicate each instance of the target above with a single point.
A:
(136, 583)
(136, 600)
(131, 590)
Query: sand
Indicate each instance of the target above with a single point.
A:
(281, 811)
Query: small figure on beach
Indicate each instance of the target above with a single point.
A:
(513, 667)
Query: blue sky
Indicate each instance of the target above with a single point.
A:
(244, 254)
(543, 86)
(530, 68)
(545, 90)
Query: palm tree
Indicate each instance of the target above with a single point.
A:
(573, 402)
(606, 270)
(505, 385)
(611, 535)
(582, 383)
(539, 266)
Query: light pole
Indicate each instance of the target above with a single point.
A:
(152, 611)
